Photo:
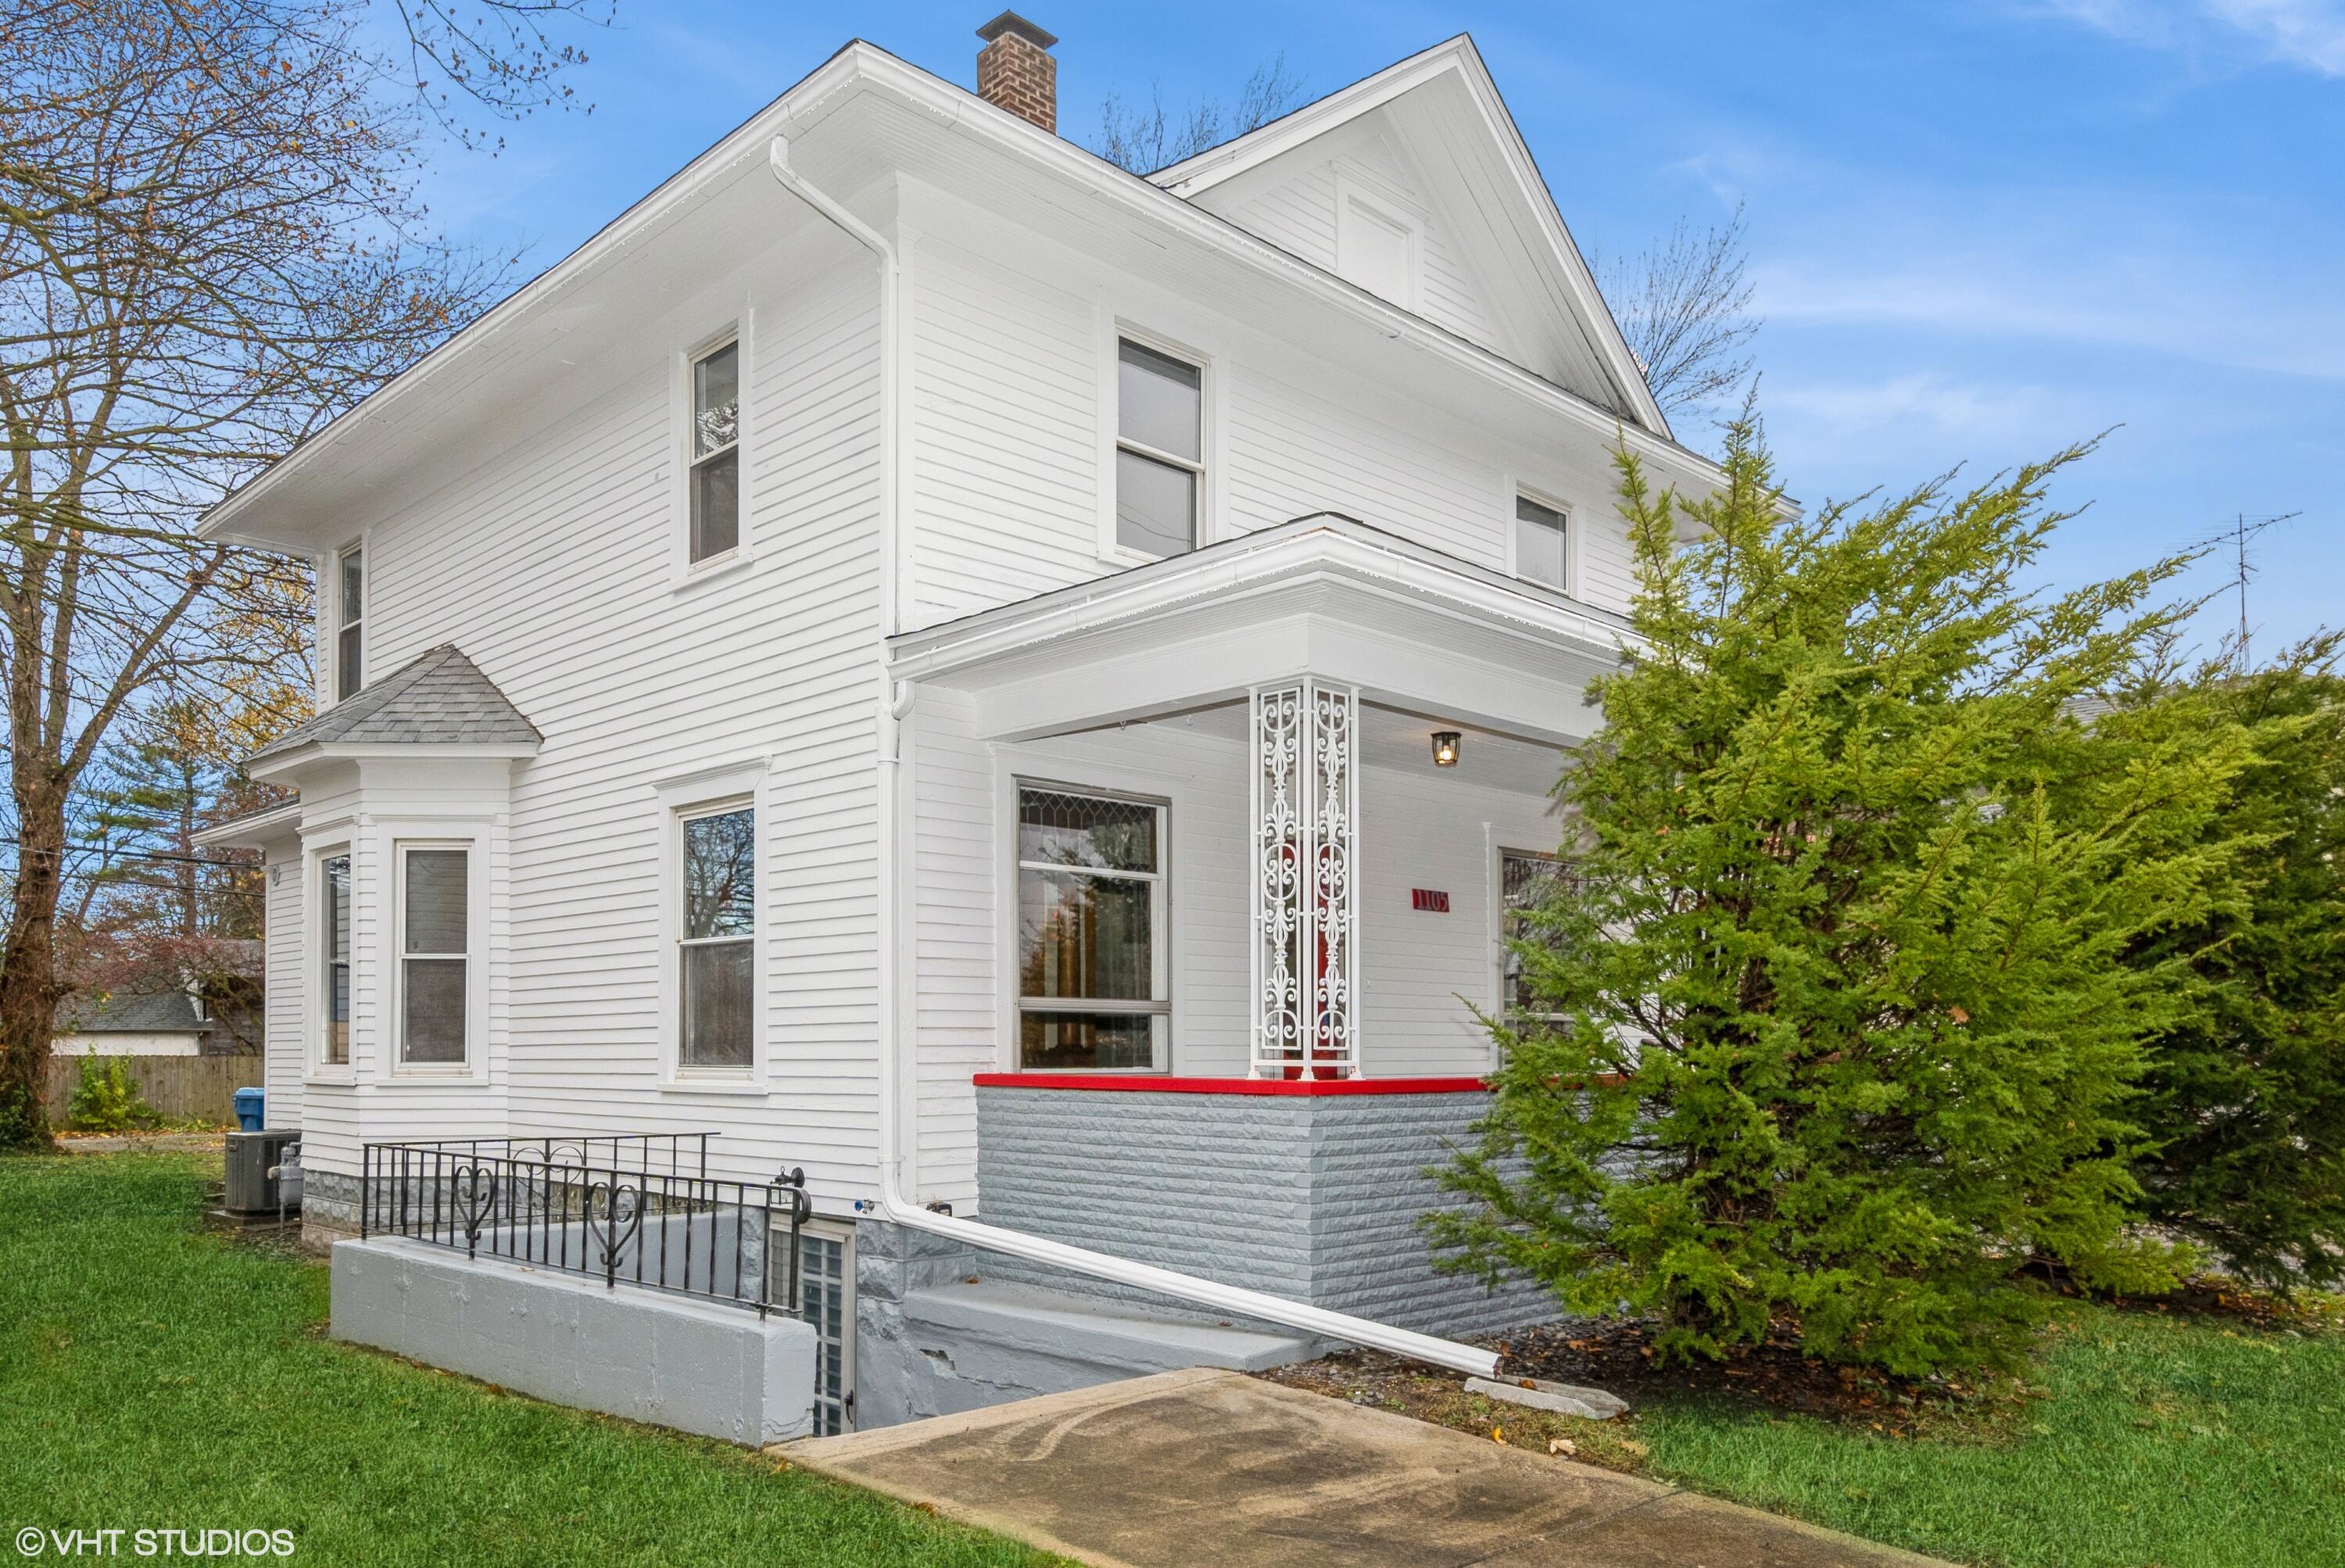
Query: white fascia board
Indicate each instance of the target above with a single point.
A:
(253, 831)
(282, 764)
(860, 67)
(1194, 176)
(1276, 558)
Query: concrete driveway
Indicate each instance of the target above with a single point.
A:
(1218, 1470)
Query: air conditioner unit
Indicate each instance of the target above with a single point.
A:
(250, 1156)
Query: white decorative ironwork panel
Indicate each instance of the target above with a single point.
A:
(1305, 937)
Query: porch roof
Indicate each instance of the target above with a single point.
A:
(1326, 596)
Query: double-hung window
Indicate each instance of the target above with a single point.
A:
(1542, 542)
(1092, 931)
(349, 602)
(1526, 882)
(716, 940)
(1160, 461)
(334, 944)
(715, 478)
(434, 954)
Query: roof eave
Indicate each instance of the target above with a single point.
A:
(293, 759)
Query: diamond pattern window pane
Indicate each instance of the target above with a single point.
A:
(1059, 829)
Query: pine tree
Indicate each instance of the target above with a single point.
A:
(1833, 1018)
(2245, 1096)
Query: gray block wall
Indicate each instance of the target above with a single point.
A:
(1315, 1197)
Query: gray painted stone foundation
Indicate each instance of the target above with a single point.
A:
(941, 1328)
(1317, 1198)
(719, 1371)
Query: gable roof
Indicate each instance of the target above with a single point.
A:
(141, 1013)
(439, 697)
(1445, 109)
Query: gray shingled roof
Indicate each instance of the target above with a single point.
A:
(150, 1012)
(437, 698)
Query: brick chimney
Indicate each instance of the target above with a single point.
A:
(1015, 70)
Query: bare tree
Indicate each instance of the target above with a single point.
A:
(1143, 139)
(1684, 307)
(211, 245)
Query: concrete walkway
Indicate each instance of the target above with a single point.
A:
(1219, 1469)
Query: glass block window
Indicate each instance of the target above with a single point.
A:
(1160, 465)
(827, 1304)
(1525, 882)
(715, 479)
(1541, 543)
(435, 954)
(334, 984)
(1092, 937)
(717, 948)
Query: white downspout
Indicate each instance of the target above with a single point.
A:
(895, 702)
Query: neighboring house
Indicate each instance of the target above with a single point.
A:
(218, 1013)
(1024, 691)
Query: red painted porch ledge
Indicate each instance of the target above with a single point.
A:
(1159, 1084)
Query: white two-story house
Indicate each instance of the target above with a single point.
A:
(1024, 692)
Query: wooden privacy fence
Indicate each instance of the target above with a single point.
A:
(184, 1088)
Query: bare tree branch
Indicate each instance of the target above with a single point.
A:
(1684, 307)
(1145, 139)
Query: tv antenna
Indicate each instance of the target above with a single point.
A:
(2242, 531)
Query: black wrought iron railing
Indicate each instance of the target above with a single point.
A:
(637, 1209)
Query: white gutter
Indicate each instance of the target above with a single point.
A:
(895, 702)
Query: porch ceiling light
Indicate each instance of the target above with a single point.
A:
(1444, 748)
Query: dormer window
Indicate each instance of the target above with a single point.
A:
(716, 452)
(1542, 544)
(1160, 464)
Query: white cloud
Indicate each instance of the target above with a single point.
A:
(1924, 404)
(2308, 33)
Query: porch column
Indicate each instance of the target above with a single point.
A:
(1305, 795)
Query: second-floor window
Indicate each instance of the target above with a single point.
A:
(717, 453)
(1542, 542)
(349, 604)
(1160, 465)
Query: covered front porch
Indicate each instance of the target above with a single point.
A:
(1215, 870)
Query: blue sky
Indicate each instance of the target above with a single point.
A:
(1978, 231)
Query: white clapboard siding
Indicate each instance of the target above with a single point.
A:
(285, 1003)
(550, 567)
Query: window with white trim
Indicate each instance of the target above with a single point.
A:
(1092, 932)
(1526, 882)
(1542, 542)
(1160, 454)
(334, 955)
(715, 458)
(350, 603)
(716, 938)
(434, 954)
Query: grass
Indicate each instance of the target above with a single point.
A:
(2138, 1439)
(154, 1376)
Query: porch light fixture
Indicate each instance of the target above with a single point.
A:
(1444, 748)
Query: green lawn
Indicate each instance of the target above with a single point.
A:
(152, 1376)
(2173, 1440)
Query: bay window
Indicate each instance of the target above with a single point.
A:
(1092, 931)
(434, 954)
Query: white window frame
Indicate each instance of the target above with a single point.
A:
(318, 983)
(1202, 532)
(1160, 944)
(1570, 587)
(1351, 193)
(684, 571)
(476, 873)
(707, 792)
(336, 624)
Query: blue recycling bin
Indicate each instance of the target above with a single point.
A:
(249, 1114)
